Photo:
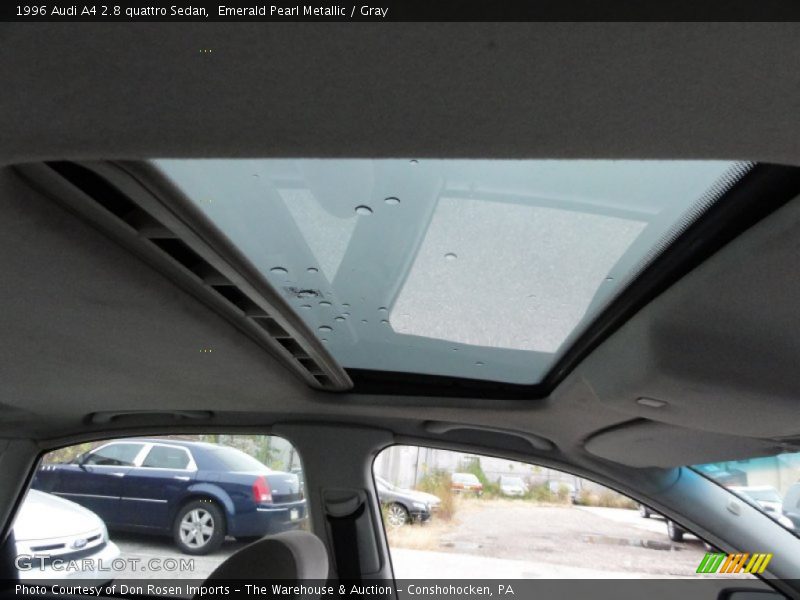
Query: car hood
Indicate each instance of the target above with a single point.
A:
(45, 516)
(416, 496)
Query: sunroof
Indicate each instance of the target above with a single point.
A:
(465, 268)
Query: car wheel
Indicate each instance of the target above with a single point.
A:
(199, 527)
(674, 532)
(397, 515)
(643, 512)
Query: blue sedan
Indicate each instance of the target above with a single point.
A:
(196, 492)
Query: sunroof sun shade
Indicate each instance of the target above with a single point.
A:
(466, 268)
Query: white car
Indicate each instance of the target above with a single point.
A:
(768, 499)
(512, 486)
(766, 496)
(50, 532)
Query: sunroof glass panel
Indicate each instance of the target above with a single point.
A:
(465, 268)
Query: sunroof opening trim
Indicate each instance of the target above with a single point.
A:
(390, 221)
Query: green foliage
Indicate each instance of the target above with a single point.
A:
(491, 489)
(68, 454)
(542, 493)
(604, 497)
(437, 482)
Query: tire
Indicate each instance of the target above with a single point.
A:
(674, 532)
(199, 527)
(397, 515)
(644, 512)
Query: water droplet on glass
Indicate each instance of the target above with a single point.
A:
(478, 364)
(383, 309)
(414, 161)
(384, 321)
(339, 319)
(325, 328)
(363, 210)
(324, 303)
(392, 201)
(364, 321)
(345, 314)
(312, 270)
(345, 305)
(305, 306)
(278, 271)
(609, 279)
(325, 340)
(455, 349)
(450, 256)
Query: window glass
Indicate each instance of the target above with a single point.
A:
(114, 455)
(235, 460)
(520, 521)
(127, 523)
(484, 269)
(769, 483)
(166, 457)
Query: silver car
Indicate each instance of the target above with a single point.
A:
(50, 532)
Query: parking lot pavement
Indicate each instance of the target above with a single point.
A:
(424, 564)
(655, 524)
(554, 541)
(146, 548)
(499, 539)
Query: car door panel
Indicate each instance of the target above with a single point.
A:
(95, 482)
(152, 491)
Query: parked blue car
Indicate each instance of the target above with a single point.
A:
(195, 491)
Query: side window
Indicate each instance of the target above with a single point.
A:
(160, 523)
(166, 457)
(452, 515)
(117, 455)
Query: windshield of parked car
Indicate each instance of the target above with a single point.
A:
(516, 481)
(482, 269)
(765, 495)
(763, 482)
(235, 460)
(465, 478)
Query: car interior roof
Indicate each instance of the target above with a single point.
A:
(91, 329)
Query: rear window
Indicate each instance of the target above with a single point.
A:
(166, 457)
(465, 478)
(236, 460)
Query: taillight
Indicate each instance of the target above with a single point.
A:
(261, 490)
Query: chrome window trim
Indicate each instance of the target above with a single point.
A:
(158, 500)
(85, 495)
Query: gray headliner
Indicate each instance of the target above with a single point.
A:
(88, 327)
